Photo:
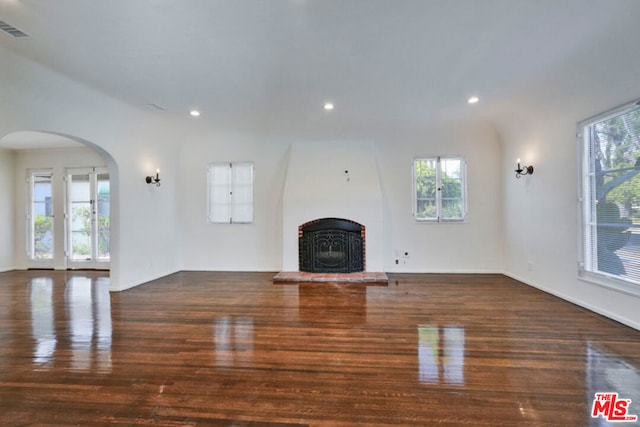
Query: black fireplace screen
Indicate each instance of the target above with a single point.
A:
(331, 245)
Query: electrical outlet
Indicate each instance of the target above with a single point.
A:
(529, 266)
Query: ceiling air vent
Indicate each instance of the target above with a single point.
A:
(155, 107)
(11, 30)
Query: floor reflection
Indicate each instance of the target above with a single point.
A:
(233, 340)
(441, 354)
(87, 314)
(607, 372)
(89, 323)
(43, 319)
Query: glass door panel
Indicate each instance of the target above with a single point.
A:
(103, 198)
(81, 206)
(41, 234)
(88, 220)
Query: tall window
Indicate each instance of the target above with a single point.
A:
(88, 215)
(40, 217)
(230, 191)
(439, 189)
(610, 194)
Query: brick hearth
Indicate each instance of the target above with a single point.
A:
(302, 276)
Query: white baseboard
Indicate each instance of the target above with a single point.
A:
(472, 271)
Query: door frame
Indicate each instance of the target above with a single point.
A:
(32, 262)
(93, 262)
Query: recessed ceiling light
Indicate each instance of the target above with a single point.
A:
(328, 106)
(473, 100)
(194, 113)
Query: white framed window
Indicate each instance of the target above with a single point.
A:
(609, 149)
(40, 215)
(439, 189)
(88, 220)
(230, 192)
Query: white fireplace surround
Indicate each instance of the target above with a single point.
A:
(332, 180)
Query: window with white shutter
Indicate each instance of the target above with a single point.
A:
(230, 192)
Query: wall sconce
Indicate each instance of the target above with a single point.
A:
(526, 170)
(154, 179)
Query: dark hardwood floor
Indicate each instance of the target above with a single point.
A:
(221, 349)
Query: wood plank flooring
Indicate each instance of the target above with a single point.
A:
(235, 349)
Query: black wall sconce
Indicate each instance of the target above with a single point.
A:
(154, 179)
(523, 170)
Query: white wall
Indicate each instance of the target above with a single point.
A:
(230, 247)
(318, 187)
(474, 246)
(538, 124)
(7, 233)
(34, 98)
(541, 211)
(56, 160)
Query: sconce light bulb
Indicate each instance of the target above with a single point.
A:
(154, 179)
(526, 170)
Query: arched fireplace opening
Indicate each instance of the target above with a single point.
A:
(331, 245)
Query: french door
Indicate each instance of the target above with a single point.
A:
(40, 220)
(87, 218)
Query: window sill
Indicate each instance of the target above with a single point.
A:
(445, 221)
(610, 283)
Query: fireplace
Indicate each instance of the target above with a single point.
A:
(331, 245)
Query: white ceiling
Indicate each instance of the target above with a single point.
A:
(273, 63)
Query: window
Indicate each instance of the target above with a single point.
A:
(610, 197)
(88, 219)
(439, 189)
(230, 191)
(40, 216)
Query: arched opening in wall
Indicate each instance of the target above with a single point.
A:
(64, 195)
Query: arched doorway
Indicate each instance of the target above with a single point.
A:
(63, 217)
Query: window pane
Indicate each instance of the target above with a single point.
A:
(451, 176)
(426, 188)
(103, 201)
(42, 216)
(219, 189)
(80, 195)
(242, 193)
(612, 196)
(451, 168)
(452, 208)
(427, 209)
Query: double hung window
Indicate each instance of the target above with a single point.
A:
(610, 197)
